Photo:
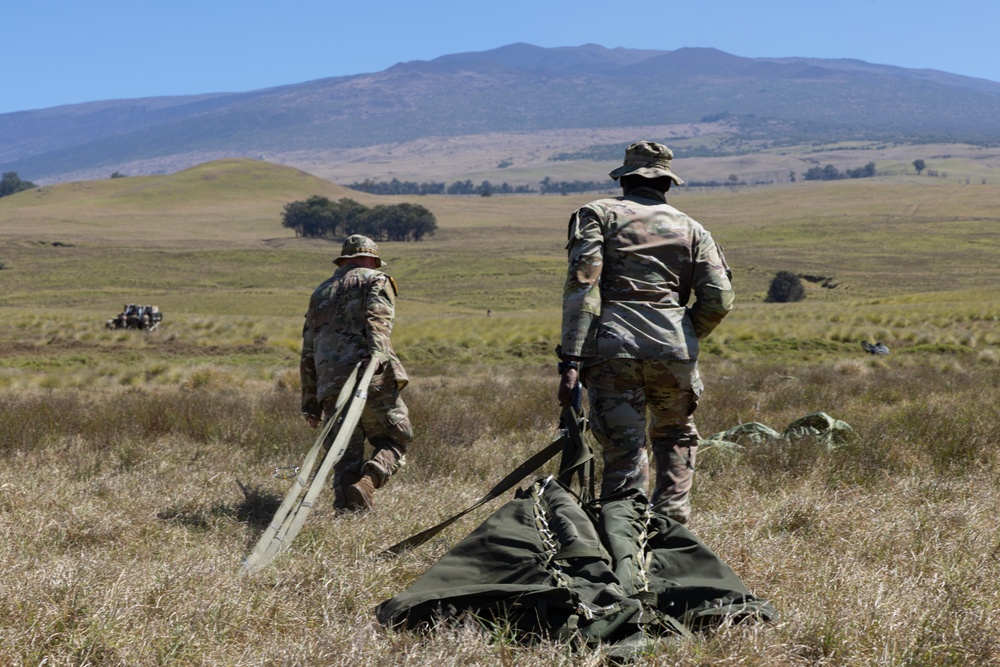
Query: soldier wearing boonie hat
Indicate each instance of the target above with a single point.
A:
(630, 332)
(350, 319)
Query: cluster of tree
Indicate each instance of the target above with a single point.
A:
(486, 189)
(831, 173)
(467, 187)
(321, 217)
(398, 187)
(11, 183)
(710, 184)
(548, 186)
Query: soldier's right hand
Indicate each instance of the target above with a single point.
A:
(313, 421)
(567, 386)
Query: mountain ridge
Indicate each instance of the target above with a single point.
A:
(517, 88)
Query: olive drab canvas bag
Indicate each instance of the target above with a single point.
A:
(554, 563)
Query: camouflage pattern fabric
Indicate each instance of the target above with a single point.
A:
(816, 425)
(821, 426)
(634, 263)
(621, 393)
(350, 317)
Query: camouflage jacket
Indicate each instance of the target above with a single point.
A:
(634, 262)
(350, 317)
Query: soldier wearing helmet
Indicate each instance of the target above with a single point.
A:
(630, 332)
(350, 320)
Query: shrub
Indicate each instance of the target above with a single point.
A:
(785, 287)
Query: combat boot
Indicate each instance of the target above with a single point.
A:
(674, 479)
(362, 493)
(341, 482)
(374, 475)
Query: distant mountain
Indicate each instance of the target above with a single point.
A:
(515, 88)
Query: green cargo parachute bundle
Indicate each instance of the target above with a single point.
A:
(603, 572)
(560, 564)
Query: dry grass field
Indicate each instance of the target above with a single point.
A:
(136, 469)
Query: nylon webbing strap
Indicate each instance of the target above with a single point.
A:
(298, 502)
(508, 482)
(576, 457)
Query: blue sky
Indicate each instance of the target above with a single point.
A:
(69, 51)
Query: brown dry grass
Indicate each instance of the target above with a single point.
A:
(124, 522)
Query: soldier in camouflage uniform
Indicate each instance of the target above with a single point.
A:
(350, 319)
(628, 332)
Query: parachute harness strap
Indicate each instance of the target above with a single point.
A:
(548, 537)
(552, 547)
(643, 555)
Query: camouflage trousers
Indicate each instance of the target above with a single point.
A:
(385, 423)
(633, 401)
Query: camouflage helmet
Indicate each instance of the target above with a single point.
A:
(647, 159)
(357, 245)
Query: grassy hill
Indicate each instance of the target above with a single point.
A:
(221, 201)
(208, 240)
(137, 469)
(861, 233)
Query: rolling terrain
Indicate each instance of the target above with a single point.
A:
(208, 240)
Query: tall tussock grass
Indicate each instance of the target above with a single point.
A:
(125, 514)
(32, 421)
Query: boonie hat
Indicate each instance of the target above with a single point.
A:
(647, 159)
(357, 245)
